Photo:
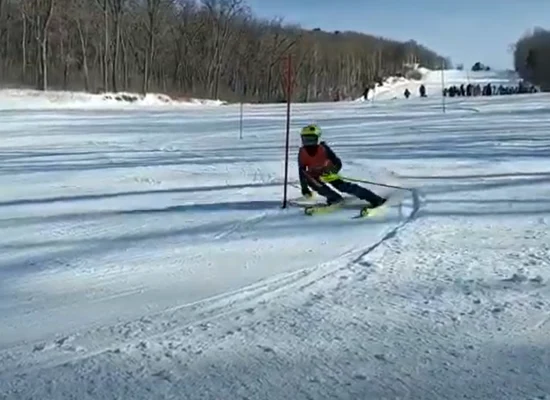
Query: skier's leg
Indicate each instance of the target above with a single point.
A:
(325, 191)
(358, 191)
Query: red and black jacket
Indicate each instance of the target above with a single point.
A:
(309, 165)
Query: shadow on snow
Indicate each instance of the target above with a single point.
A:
(101, 196)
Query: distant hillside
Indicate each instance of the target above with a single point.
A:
(209, 48)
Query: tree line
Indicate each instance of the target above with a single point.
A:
(211, 48)
(532, 58)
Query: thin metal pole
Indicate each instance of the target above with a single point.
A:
(347, 178)
(442, 87)
(287, 143)
(241, 122)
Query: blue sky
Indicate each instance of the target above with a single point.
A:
(465, 30)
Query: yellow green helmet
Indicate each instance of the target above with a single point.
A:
(310, 135)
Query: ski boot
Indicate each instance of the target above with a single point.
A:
(368, 210)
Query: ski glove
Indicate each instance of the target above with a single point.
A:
(330, 173)
(330, 169)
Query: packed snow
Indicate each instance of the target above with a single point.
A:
(145, 254)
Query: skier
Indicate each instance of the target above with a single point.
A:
(318, 165)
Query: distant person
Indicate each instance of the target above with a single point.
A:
(422, 91)
(318, 166)
(407, 93)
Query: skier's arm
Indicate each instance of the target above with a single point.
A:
(333, 158)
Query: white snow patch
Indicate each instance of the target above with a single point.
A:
(21, 99)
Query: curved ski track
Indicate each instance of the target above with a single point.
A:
(92, 342)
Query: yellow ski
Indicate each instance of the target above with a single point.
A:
(322, 209)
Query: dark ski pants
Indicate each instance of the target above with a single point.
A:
(346, 187)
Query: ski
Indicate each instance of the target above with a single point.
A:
(312, 207)
(322, 208)
(364, 211)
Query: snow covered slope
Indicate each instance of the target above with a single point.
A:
(144, 255)
(394, 87)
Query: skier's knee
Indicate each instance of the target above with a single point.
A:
(347, 187)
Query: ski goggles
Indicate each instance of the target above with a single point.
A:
(310, 140)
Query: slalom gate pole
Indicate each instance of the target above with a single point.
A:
(442, 88)
(287, 139)
(241, 121)
(375, 183)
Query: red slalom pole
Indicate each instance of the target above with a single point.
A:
(287, 145)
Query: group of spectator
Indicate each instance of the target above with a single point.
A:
(471, 90)
(488, 90)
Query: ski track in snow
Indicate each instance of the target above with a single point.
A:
(145, 255)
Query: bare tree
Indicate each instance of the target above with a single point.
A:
(532, 58)
(39, 14)
(104, 6)
(154, 11)
(117, 9)
(80, 12)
